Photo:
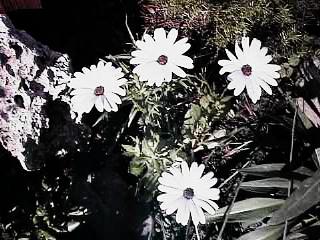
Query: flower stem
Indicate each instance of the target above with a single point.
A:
(290, 162)
(197, 232)
(229, 209)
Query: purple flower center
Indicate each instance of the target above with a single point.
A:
(99, 91)
(246, 70)
(188, 193)
(162, 60)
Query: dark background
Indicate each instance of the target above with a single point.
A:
(86, 31)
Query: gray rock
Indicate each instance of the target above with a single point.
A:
(31, 76)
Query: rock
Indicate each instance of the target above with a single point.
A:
(31, 77)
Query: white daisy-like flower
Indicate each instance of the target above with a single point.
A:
(159, 56)
(188, 192)
(250, 69)
(99, 86)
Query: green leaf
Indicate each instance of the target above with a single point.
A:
(297, 236)
(204, 102)
(268, 185)
(264, 233)
(264, 170)
(306, 196)
(193, 115)
(248, 210)
(137, 167)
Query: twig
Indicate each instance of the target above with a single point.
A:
(233, 175)
(129, 31)
(187, 229)
(290, 162)
(229, 209)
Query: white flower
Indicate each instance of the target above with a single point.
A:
(186, 191)
(159, 56)
(98, 86)
(251, 69)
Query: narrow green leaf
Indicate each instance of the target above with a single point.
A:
(264, 170)
(268, 185)
(297, 236)
(264, 233)
(306, 196)
(248, 210)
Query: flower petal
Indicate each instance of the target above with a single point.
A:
(99, 103)
(183, 213)
(171, 190)
(206, 206)
(160, 36)
(172, 36)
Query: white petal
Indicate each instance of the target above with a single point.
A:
(194, 212)
(181, 42)
(83, 103)
(229, 68)
(170, 181)
(264, 51)
(160, 36)
(213, 193)
(239, 88)
(174, 205)
(172, 36)
(99, 103)
(207, 176)
(203, 204)
(253, 90)
(267, 79)
(264, 86)
(208, 183)
(111, 97)
(224, 62)
(272, 67)
(196, 171)
(167, 75)
(148, 40)
(202, 218)
(176, 70)
(168, 197)
(107, 105)
(183, 61)
(183, 213)
(235, 83)
(255, 45)
(140, 44)
(171, 190)
(245, 44)
(181, 48)
(230, 55)
(185, 169)
(168, 204)
(238, 51)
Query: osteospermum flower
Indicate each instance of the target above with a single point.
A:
(188, 192)
(159, 56)
(250, 69)
(99, 86)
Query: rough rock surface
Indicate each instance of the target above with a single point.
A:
(30, 75)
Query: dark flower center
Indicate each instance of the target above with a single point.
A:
(99, 91)
(162, 60)
(188, 193)
(246, 70)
